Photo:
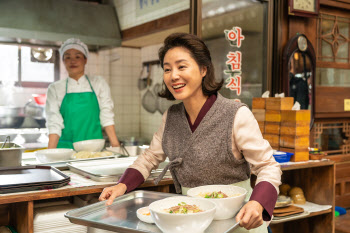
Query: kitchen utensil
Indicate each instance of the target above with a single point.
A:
(107, 170)
(234, 227)
(6, 139)
(157, 88)
(123, 150)
(11, 117)
(31, 137)
(10, 154)
(163, 104)
(40, 98)
(142, 82)
(42, 54)
(133, 150)
(10, 132)
(149, 101)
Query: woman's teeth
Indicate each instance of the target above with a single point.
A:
(179, 86)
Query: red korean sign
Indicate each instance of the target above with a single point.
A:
(234, 62)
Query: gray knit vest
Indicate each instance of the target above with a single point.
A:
(205, 156)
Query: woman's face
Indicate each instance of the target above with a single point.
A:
(74, 61)
(182, 75)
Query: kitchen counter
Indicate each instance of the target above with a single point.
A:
(17, 209)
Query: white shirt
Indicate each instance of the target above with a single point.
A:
(57, 91)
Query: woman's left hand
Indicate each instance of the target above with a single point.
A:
(250, 216)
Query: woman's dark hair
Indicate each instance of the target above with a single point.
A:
(199, 52)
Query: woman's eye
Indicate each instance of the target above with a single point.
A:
(182, 67)
(166, 70)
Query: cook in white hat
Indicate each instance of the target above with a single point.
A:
(78, 107)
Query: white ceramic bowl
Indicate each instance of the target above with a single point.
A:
(226, 207)
(93, 145)
(144, 215)
(53, 155)
(182, 223)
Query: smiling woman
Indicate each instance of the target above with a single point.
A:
(78, 107)
(208, 139)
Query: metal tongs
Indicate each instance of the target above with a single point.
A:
(124, 152)
(6, 139)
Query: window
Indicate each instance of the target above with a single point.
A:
(20, 64)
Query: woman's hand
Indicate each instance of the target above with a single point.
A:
(110, 193)
(250, 216)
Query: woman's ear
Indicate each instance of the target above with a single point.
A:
(204, 71)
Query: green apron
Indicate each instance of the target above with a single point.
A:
(246, 185)
(81, 118)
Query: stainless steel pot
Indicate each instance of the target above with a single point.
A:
(11, 117)
(11, 155)
(11, 122)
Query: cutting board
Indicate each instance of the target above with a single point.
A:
(289, 210)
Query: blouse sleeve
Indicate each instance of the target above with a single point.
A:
(259, 154)
(54, 120)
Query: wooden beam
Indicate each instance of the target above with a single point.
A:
(175, 20)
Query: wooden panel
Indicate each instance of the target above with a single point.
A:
(276, 103)
(318, 186)
(331, 99)
(22, 216)
(343, 184)
(344, 4)
(4, 215)
(342, 223)
(175, 20)
(258, 103)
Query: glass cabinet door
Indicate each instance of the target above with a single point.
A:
(235, 32)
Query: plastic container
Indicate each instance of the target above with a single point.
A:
(40, 99)
(282, 157)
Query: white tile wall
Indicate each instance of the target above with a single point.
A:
(150, 122)
(124, 74)
(126, 11)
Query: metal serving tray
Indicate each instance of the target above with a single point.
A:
(27, 178)
(121, 215)
(62, 165)
(106, 170)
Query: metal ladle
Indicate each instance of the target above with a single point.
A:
(7, 138)
(124, 152)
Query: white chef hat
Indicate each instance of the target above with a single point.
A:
(74, 43)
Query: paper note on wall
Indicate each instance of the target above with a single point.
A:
(346, 104)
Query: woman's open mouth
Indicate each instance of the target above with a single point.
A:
(178, 87)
